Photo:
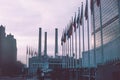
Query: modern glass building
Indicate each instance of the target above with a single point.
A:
(110, 20)
(109, 34)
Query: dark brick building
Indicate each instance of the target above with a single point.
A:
(8, 51)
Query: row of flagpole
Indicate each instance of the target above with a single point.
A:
(30, 52)
(70, 35)
(69, 32)
(79, 21)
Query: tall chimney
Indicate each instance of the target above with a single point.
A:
(45, 46)
(40, 39)
(56, 42)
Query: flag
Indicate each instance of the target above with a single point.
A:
(78, 17)
(32, 53)
(98, 3)
(86, 10)
(61, 42)
(27, 50)
(35, 53)
(74, 22)
(91, 6)
(73, 54)
(69, 32)
(64, 38)
(81, 17)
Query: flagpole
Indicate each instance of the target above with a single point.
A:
(63, 55)
(78, 26)
(74, 25)
(26, 64)
(70, 52)
(76, 52)
(83, 28)
(94, 33)
(62, 52)
(29, 55)
(102, 58)
(79, 39)
(65, 48)
(66, 55)
(26, 56)
(72, 45)
(88, 34)
(75, 42)
(76, 48)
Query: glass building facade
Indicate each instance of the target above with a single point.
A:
(110, 22)
(110, 17)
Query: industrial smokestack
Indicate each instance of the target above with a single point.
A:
(45, 46)
(40, 39)
(56, 42)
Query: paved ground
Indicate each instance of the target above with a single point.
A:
(18, 78)
(11, 78)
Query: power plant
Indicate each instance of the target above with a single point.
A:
(43, 61)
(56, 42)
(45, 45)
(39, 42)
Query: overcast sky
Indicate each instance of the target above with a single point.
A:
(23, 18)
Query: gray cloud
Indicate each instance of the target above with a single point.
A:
(24, 17)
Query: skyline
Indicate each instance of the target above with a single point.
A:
(23, 19)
